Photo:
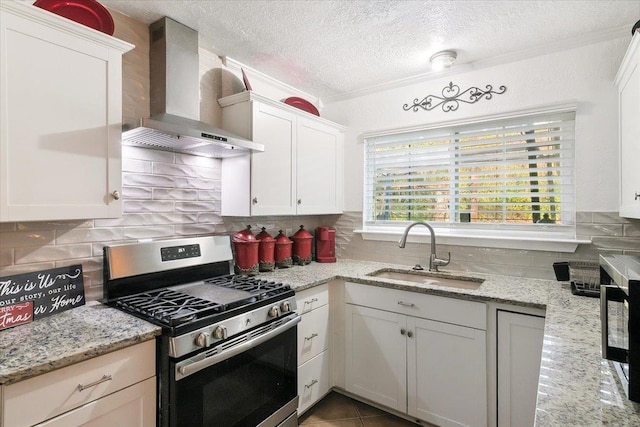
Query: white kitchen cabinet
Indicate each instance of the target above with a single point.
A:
(118, 388)
(301, 169)
(313, 346)
(403, 352)
(519, 337)
(60, 117)
(628, 83)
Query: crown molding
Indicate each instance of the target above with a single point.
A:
(558, 46)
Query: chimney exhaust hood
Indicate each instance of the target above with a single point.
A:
(175, 101)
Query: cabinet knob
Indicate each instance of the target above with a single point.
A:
(636, 196)
(255, 200)
(299, 201)
(409, 334)
(116, 195)
(403, 331)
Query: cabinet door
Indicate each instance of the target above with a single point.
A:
(60, 125)
(134, 406)
(447, 373)
(376, 356)
(629, 90)
(319, 168)
(273, 171)
(520, 338)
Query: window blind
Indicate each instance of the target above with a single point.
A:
(515, 173)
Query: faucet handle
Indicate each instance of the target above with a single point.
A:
(442, 262)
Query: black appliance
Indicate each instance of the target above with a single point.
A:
(227, 355)
(620, 318)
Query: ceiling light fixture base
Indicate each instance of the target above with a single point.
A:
(443, 59)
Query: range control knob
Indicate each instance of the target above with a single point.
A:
(203, 340)
(274, 311)
(285, 307)
(220, 332)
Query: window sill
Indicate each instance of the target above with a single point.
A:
(552, 244)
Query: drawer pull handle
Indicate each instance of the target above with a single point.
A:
(104, 378)
(311, 384)
(312, 336)
(311, 301)
(406, 304)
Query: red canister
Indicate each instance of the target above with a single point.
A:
(283, 251)
(246, 246)
(302, 246)
(266, 251)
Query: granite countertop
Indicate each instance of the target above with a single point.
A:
(576, 387)
(67, 338)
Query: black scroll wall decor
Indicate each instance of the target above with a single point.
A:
(452, 97)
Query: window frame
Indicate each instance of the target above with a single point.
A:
(559, 237)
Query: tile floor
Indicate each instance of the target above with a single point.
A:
(337, 410)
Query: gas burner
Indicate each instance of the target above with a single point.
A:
(168, 306)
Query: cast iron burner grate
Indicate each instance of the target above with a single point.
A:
(168, 306)
(258, 288)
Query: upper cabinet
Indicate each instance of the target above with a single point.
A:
(60, 117)
(628, 83)
(301, 169)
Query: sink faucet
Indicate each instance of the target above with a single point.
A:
(434, 261)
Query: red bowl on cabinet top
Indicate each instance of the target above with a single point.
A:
(86, 12)
(302, 104)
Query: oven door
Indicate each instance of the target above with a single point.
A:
(246, 381)
(614, 316)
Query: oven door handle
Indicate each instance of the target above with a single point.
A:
(191, 367)
(610, 293)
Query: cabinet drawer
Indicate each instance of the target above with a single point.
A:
(443, 309)
(313, 381)
(45, 396)
(313, 334)
(312, 298)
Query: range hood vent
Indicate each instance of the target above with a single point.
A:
(175, 101)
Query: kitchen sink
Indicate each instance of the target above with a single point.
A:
(427, 278)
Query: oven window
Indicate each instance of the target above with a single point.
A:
(241, 391)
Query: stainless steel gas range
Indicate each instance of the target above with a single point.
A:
(227, 353)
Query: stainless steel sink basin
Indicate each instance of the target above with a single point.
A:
(428, 278)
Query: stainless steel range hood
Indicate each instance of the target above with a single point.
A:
(175, 100)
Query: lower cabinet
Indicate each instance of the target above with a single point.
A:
(403, 352)
(313, 345)
(115, 389)
(520, 337)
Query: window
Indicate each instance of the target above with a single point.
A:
(508, 176)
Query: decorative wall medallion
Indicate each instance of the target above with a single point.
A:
(452, 97)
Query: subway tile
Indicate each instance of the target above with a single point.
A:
(136, 166)
(53, 225)
(210, 217)
(46, 253)
(210, 195)
(132, 206)
(6, 256)
(94, 293)
(199, 161)
(599, 230)
(174, 170)
(632, 230)
(195, 206)
(88, 235)
(25, 268)
(148, 232)
(624, 243)
(144, 180)
(197, 183)
(174, 194)
(17, 239)
(584, 217)
(136, 193)
(147, 154)
(151, 218)
(608, 218)
(196, 229)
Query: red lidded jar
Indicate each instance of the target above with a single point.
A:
(266, 251)
(283, 251)
(302, 246)
(246, 246)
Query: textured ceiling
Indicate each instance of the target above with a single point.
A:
(333, 48)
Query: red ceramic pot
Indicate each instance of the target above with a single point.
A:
(302, 246)
(246, 247)
(283, 251)
(266, 251)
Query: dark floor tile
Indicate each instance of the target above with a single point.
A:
(338, 423)
(333, 407)
(365, 410)
(387, 421)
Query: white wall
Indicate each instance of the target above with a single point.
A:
(584, 75)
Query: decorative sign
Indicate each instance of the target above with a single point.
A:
(29, 296)
(452, 97)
